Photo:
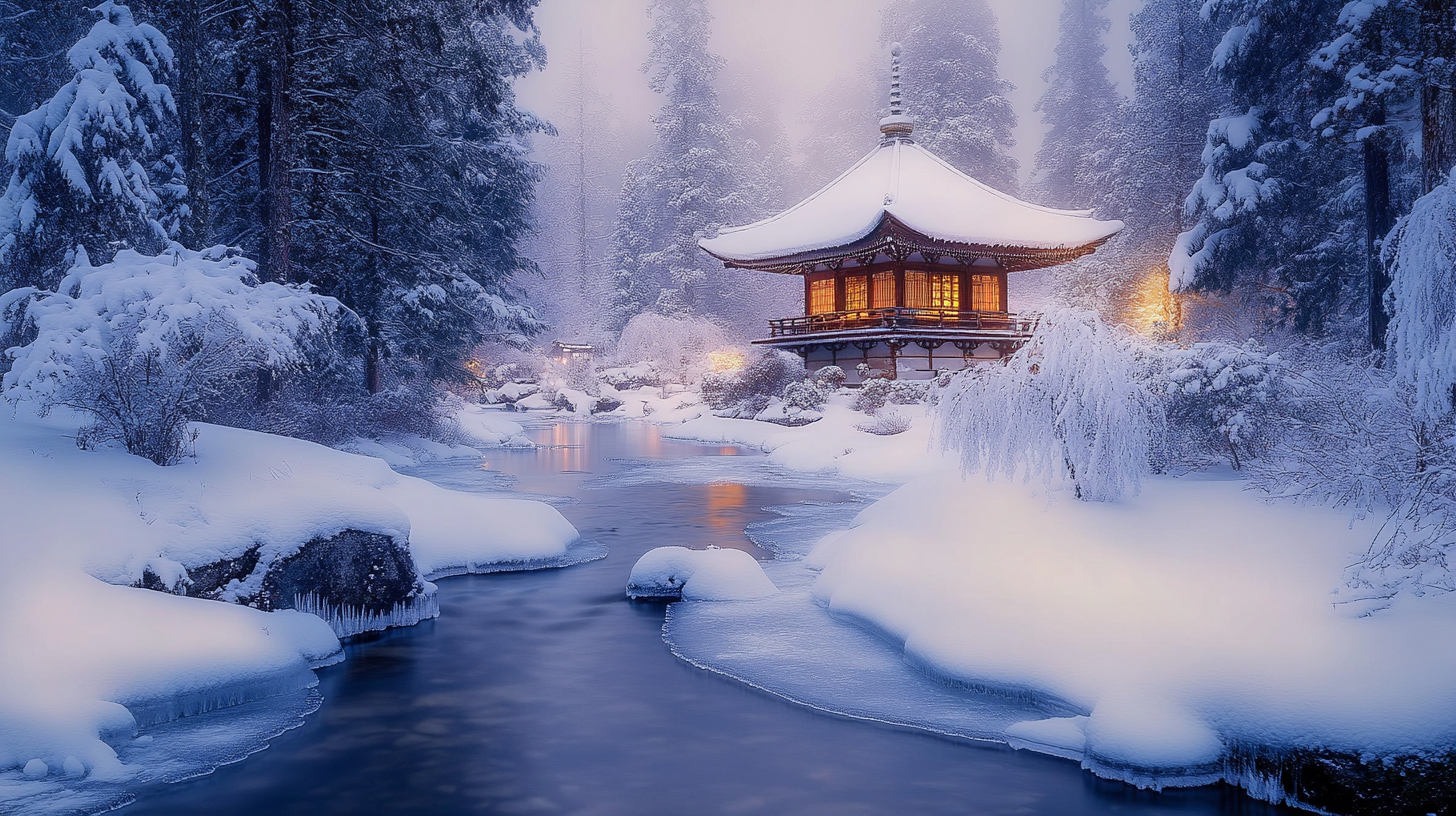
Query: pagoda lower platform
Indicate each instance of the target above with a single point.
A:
(899, 342)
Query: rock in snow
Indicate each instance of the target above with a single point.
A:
(699, 575)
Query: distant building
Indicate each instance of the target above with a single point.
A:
(568, 352)
(904, 260)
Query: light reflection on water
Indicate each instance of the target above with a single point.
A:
(547, 692)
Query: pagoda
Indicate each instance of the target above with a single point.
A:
(904, 260)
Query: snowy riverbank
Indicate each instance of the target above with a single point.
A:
(1166, 639)
(92, 662)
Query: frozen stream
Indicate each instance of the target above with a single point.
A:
(547, 692)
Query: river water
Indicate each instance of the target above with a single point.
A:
(548, 692)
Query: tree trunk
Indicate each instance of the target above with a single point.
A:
(1438, 98)
(275, 143)
(188, 40)
(1378, 223)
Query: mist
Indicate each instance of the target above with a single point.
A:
(781, 54)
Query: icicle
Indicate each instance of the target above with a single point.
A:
(349, 620)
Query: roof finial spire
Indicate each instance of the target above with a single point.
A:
(896, 107)
(897, 125)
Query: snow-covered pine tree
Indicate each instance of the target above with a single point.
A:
(687, 186)
(1375, 54)
(842, 127)
(1273, 212)
(92, 166)
(953, 87)
(1158, 144)
(1079, 108)
(34, 36)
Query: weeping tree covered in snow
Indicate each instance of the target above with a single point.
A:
(687, 186)
(953, 87)
(144, 344)
(1076, 403)
(1080, 110)
(92, 166)
(1421, 257)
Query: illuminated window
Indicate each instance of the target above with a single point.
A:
(985, 293)
(821, 296)
(945, 291)
(856, 293)
(917, 290)
(883, 295)
(929, 290)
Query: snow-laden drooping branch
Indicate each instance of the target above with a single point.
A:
(1076, 403)
(1421, 257)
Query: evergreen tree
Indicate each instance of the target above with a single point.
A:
(952, 85)
(1274, 211)
(34, 36)
(1159, 141)
(92, 165)
(1080, 108)
(687, 186)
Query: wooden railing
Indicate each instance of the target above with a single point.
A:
(899, 317)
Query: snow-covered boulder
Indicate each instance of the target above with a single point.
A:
(713, 574)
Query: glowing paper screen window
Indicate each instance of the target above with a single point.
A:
(985, 293)
(856, 293)
(928, 290)
(821, 296)
(883, 290)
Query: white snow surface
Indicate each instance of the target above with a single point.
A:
(714, 574)
(1181, 621)
(88, 660)
(903, 180)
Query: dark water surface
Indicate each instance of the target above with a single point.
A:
(547, 692)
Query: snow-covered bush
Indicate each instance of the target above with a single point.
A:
(1356, 437)
(830, 378)
(747, 391)
(887, 422)
(676, 346)
(908, 392)
(1421, 300)
(805, 396)
(142, 345)
(1075, 403)
(872, 395)
(1220, 399)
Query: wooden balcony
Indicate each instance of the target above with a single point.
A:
(900, 318)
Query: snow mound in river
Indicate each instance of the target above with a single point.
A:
(699, 575)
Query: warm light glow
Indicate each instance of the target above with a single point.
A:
(727, 360)
(1152, 309)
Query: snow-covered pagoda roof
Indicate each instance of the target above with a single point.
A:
(900, 199)
(903, 200)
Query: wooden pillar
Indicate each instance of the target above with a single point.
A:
(838, 291)
(808, 301)
(1005, 295)
(900, 284)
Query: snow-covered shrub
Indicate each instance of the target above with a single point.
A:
(142, 345)
(872, 395)
(887, 422)
(830, 378)
(907, 392)
(1421, 301)
(747, 391)
(805, 396)
(1220, 398)
(1356, 437)
(677, 346)
(1074, 403)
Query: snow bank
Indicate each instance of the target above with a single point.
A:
(713, 574)
(1181, 622)
(88, 662)
(835, 444)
